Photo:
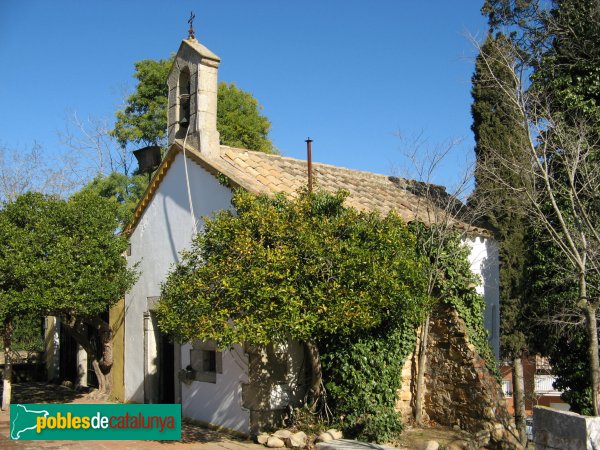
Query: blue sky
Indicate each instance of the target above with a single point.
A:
(350, 74)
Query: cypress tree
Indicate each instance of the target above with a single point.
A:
(500, 135)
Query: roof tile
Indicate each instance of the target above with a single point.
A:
(263, 173)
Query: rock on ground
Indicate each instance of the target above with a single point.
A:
(262, 438)
(275, 442)
(431, 445)
(282, 434)
(298, 439)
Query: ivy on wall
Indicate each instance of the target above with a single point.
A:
(364, 370)
(364, 373)
(456, 287)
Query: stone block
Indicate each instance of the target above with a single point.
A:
(325, 437)
(458, 444)
(565, 430)
(482, 437)
(336, 434)
(348, 444)
(498, 432)
(430, 445)
(282, 434)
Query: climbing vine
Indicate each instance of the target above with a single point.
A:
(364, 373)
(455, 286)
(364, 370)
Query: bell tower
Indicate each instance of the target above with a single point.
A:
(192, 82)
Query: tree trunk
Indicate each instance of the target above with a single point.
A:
(519, 398)
(106, 361)
(593, 351)
(314, 393)
(102, 367)
(422, 364)
(589, 310)
(7, 374)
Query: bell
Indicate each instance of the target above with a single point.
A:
(148, 158)
(184, 122)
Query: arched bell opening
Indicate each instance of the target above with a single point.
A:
(184, 99)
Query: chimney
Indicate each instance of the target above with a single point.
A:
(309, 162)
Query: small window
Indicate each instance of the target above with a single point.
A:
(507, 388)
(206, 362)
(209, 361)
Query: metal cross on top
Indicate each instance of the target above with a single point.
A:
(191, 22)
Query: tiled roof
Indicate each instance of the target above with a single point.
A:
(261, 173)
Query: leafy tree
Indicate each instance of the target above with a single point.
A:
(314, 268)
(570, 367)
(568, 76)
(126, 190)
(569, 71)
(364, 409)
(557, 44)
(63, 258)
(454, 284)
(28, 334)
(239, 121)
(555, 292)
(437, 243)
(144, 119)
(23, 238)
(367, 410)
(500, 134)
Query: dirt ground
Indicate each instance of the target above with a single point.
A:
(416, 438)
(193, 435)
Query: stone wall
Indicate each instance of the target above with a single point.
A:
(276, 381)
(460, 390)
(564, 430)
(406, 394)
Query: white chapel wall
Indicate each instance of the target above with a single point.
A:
(163, 231)
(218, 403)
(485, 263)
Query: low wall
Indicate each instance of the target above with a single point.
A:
(26, 366)
(564, 430)
(26, 372)
(22, 357)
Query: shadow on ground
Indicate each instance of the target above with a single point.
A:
(36, 392)
(192, 433)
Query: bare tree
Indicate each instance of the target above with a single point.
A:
(94, 147)
(444, 214)
(30, 170)
(561, 185)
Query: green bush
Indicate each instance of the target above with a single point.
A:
(364, 375)
(28, 334)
